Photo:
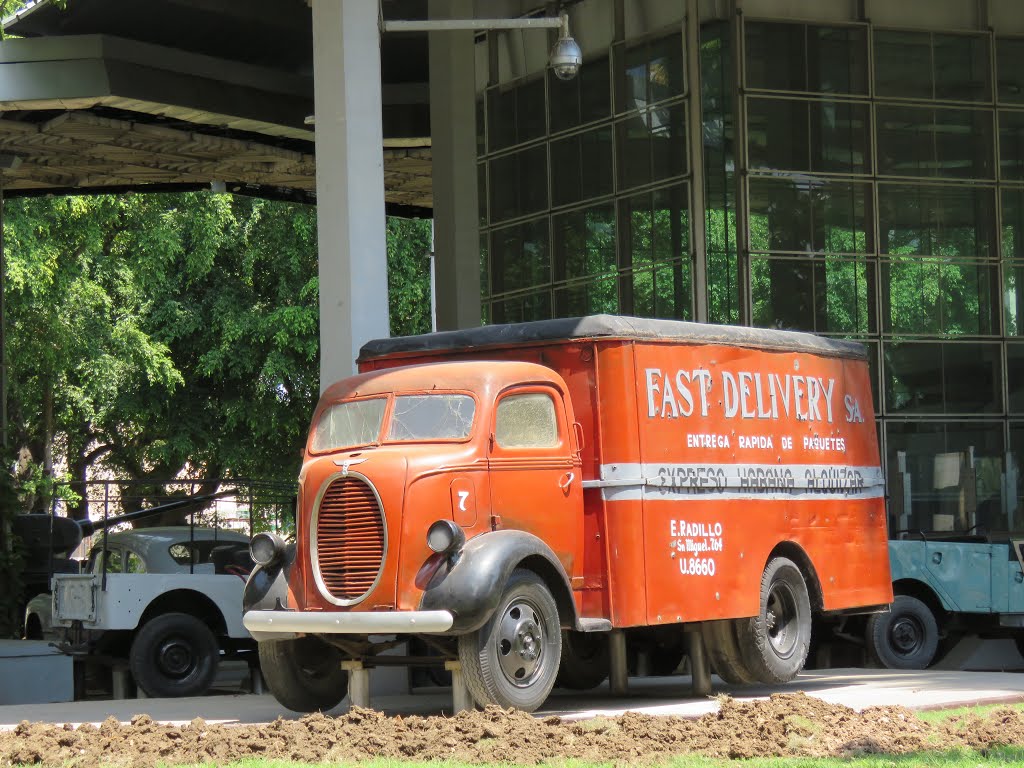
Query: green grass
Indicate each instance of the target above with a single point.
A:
(957, 759)
(941, 715)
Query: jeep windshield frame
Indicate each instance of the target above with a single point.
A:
(435, 416)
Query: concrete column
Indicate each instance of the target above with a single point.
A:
(349, 182)
(453, 168)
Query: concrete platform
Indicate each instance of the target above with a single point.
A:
(856, 688)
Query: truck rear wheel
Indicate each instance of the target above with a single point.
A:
(174, 654)
(304, 674)
(907, 637)
(774, 643)
(723, 652)
(512, 660)
(584, 663)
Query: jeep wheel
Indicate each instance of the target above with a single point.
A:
(774, 643)
(174, 655)
(304, 674)
(907, 637)
(512, 660)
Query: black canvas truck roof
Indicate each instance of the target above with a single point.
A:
(612, 327)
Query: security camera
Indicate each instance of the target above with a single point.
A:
(566, 56)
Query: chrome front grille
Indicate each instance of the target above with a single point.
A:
(350, 539)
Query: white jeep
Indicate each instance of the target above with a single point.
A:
(169, 600)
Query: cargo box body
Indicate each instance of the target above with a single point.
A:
(705, 450)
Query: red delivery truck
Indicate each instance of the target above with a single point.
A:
(509, 495)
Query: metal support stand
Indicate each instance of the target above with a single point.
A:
(618, 676)
(121, 681)
(358, 683)
(700, 668)
(462, 700)
(255, 679)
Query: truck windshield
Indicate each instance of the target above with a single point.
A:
(431, 417)
(344, 425)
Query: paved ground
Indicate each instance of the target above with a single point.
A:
(854, 688)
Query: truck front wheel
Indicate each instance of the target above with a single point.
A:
(512, 660)
(907, 637)
(304, 674)
(174, 654)
(774, 643)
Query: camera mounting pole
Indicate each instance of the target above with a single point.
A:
(565, 58)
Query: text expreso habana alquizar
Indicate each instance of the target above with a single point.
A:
(743, 394)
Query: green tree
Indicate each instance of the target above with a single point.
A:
(156, 335)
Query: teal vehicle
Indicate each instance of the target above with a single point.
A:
(947, 586)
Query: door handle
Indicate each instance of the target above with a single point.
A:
(566, 480)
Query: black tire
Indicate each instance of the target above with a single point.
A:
(174, 655)
(907, 637)
(723, 651)
(774, 643)
(584, 663)
(304, 674)
(512, 660)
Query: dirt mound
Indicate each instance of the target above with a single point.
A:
(786, 724)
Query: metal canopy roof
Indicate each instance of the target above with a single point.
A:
(121, 94)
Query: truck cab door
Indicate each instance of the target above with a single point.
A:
(534, 470)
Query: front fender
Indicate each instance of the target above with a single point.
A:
(266, 589)
(470, 584)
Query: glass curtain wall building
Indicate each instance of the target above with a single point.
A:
(859, 179)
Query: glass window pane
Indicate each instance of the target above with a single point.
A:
(585, 98)
(903, 64)
(521, 309)
(798, 57)
(518, 184)
(584, 243)
(787, 134)
(922, 141)
(662, 292)
(1010, 69)
(1013, 223)
(955, 222)
(587, 298)
(929, 296)
(962, 69)
(1011, 145)
(520, 257)
(837, 59)
(945, 476)
(581, 166)
(652, 145)
(825, 296)
(809, 215)
(1015, 381)
(933, 377)
(776, 56)
(515, 115)
(526, 421)
(649, 72)
(655, 226)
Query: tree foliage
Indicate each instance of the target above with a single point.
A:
(174, 334)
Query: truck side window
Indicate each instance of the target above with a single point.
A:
(113, 558)
(134, 563)
(526, 421)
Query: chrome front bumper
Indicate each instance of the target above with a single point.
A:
(269, 625)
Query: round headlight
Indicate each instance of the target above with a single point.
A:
(266, 548)
(445, 536)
